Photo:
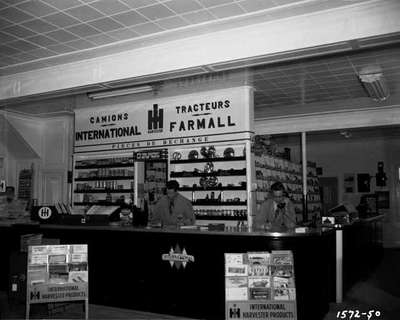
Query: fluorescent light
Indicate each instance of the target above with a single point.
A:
(119, 92)
(374, 83)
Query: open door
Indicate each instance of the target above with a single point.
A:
(329, 192)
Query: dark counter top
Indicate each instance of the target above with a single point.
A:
(118, 227)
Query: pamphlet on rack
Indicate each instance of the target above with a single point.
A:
(260, 285)
(56, 274)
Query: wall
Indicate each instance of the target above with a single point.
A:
(44, 142)
(358, 154)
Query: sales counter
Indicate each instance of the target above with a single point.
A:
(129, 267)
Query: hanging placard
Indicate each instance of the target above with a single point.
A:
(213, 116)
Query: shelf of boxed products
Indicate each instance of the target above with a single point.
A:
(103, 181)
(270, 169)
(221, 214)
(203, 170)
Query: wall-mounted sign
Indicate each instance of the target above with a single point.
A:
(220, 115)
(177, 257)
(160, 154)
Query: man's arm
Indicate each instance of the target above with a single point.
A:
(261, 215)
(290, 215)
(189, 218)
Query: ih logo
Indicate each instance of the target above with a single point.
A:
(155, 119)
(35, 295)
(44, 213)
(234, 312)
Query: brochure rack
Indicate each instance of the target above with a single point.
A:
(260, 285)
(57, 282)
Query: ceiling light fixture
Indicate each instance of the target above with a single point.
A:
(119, 92)
(374, 83)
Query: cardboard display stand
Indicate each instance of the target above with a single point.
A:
(260, 285)
(57, 282)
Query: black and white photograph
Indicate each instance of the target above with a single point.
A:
(174, 148)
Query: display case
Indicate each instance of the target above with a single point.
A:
(270, 169)
(214, 178)
(103, 179)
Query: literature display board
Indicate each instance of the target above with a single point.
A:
(260, 285)
(57, 281)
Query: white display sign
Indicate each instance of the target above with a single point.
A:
(213, 116)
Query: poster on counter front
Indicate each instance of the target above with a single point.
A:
(260, 285)
(57, 275)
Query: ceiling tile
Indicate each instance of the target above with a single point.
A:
(101, 39)
(62, 36)
(6, 37)
(15, 15)
(139, 3)
(198, 16)
(4, 23)
(36, 8)
(6, 50)
(23, 45)
(13, 2)
(3, 5)
(155, 12)
(130, 18)
(39, 26)
(41, 53)
(106, 24)
(225, 11)
(123, 34)
(284, 2)
(82, 30)
(23, 57)
(60, 48)
(172, 23)
(146, 28)
(255, 5)
(19, 31)
(183, 6)
(80, 44)
(110, 7)
(61, 20)
(64, 4)
(42, 40)
(213, 3)
(84, 13)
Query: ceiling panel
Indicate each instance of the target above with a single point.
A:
(98, 23)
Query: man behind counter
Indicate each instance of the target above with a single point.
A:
(277, 212)
(173, 209)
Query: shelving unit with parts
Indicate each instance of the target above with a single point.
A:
(270, 169)
(103, 179)
(214, 178)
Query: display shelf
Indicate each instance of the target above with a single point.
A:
(100, 202)
(105, 191)
(202, 160)
(106, 178)
(228, 173)
(223, 188)
(222, 217)
(116, 165)
(218, 203)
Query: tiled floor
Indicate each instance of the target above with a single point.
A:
(380, 292)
